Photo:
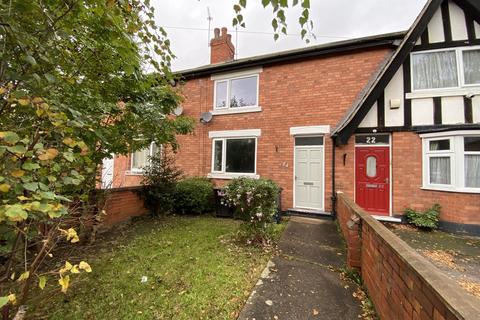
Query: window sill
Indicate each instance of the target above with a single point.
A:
(229, 176)
(134, 173)
(443, 93)
(453, 190)
(219, 112)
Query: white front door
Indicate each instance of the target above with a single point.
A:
(309, 177)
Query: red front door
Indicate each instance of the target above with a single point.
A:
(372, 175)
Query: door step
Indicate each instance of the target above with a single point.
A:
(308, 213)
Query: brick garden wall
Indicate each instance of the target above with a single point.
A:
(401, 283)
(121, 204)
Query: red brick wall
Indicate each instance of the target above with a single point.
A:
(303, 93)
(401, 283)
(121, 205)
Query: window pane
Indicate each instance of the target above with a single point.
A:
(471, 66)
(309, 141)
(440, 170)
(439, 145)
(472, 171)
(243, 92)
(139, 158)
(371, 167)
(221, 95)
(218, 157)
(434, 70)
(472, 144)
(240, 156)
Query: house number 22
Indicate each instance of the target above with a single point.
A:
(371, 140)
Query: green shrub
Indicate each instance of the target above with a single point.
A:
(159, 182)
(194, 196)
(255, 201)
(424, 220)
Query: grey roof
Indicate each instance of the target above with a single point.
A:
(302, 53)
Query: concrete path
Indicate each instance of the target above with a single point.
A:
(302, 281)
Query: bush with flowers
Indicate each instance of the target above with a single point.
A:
(255, 202)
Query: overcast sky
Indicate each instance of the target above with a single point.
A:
(335, 20)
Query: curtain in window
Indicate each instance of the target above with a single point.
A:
(139, 158)
(435, 70)
(471, 65)
(440, 170)
(472, 171)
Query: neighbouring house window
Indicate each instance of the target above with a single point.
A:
(472, 162)
(236, 92)
(140, 158)
(234, 155)
(452, 162)
(471, 66)
(445, 69)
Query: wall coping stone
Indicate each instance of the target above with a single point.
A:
(457, 301)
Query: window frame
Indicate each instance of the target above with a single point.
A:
(460, 70)
(229, 86)
(135, 170)
(463, 163)
(457, 160)
(223, 172)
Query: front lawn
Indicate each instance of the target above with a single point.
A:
(193, 270)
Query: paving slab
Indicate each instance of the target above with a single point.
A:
(302, 281)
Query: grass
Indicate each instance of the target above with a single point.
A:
(194, 270)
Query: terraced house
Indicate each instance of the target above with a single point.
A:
(391, 120)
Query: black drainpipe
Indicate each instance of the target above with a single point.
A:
(334, 194)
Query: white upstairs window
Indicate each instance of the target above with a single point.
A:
(236, 92)
(445, 69)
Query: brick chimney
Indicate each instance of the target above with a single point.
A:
(221, 47)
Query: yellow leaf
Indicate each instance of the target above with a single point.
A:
(12, 298)
(49, 154)
(4, 187)
(3, 90)
(37, 100)
(40, 112)
(17, 173)
(22, 198)
(69, 142)
(42, 281)
(12, 276)
(24, 276)
(64, 282)
(24, 101)
(85, 266)
(75, 269)
(71, 235)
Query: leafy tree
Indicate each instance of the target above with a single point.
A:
(279, 20)
(73, 90)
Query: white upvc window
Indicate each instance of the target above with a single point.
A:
(234, 154)
(141, 158)
(236, 92)
(451, 161)
(451, 69)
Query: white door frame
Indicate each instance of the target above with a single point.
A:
(322, 147)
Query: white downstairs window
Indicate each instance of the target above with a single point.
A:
(451, 161)
(234, 153)
(140, 158)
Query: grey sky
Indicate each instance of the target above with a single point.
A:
(334, 20)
